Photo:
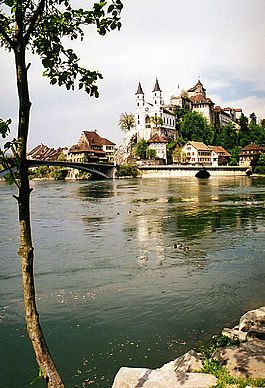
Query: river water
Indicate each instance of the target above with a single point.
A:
(112, 290)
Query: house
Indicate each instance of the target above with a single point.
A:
(43, 152)
(158, 144)
(108, 148)
(92, 148)
(196, 152)
(223, 157)
(247, 153)
(195, 99)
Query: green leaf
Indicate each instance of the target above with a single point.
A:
(36, 380)
(47, 62)
(11, 180)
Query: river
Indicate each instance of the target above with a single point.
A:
(112, 289)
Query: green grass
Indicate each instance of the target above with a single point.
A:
(214, 367)
(216, 342)
(224, 379)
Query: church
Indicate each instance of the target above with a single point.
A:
(153, 117)
(157, 118)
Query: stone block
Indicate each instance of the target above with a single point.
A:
(252, 318)
(148, 378)
(189, 362)
(232, 333)
(247, 360)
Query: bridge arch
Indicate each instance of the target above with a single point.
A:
(103, 170)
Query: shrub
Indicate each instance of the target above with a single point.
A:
(259, 170)
(127, 170)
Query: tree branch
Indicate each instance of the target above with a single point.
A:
(6, 37)
(34, 20)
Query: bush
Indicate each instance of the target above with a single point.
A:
(259, 170)
(127, 170)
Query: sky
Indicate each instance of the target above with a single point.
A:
(179, 42)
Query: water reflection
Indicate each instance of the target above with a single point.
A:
(97, 189)
(110, 278)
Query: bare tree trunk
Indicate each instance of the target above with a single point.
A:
(26, 251)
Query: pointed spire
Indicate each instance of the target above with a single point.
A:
(157, 87)
(139, 90)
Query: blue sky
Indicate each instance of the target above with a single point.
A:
(176, 41)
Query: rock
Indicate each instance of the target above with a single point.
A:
(256, 332)
(232, 333)
(247, 360)
(148, 378)
(252, 318)
(189, 362)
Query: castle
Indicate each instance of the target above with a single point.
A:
(158, 118)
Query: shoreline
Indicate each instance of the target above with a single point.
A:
(234, 358)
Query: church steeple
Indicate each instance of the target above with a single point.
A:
(139, 90)
(157, 94)
(139, 96)
(157, 87)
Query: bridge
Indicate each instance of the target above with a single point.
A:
(172, 171)
(98, 170)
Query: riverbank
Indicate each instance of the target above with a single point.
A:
(235, 358)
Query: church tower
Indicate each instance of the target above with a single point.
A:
(139, 97)
(157, 94)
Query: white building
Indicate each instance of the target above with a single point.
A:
(159, 145)
(152, 118)
(196, 152)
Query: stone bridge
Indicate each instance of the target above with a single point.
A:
(174, 171)
(98, 170)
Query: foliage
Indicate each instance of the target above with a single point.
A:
(235, 151)
(58, 173)
(45, 25)
(150, 153)
(176, 155)
(195, 127)
(228, 137)
(127, 170)
(258, 163)
(83, 175)
(215, 368)
(259, 170)
(217, 341)
(38, 378)
(126, 121)
(261, 161)
(157, 121)
(42, 172)
(141, 149)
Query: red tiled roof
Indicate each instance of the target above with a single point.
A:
(43, 152)
(199, 98)
(219, 150)
(156, 139)
(93, 138)
(106, 141)
(253, 146)
(195, 87)
(238, 110)
(83, 147)
(199, 145)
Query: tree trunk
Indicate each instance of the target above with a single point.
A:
(25, 251)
